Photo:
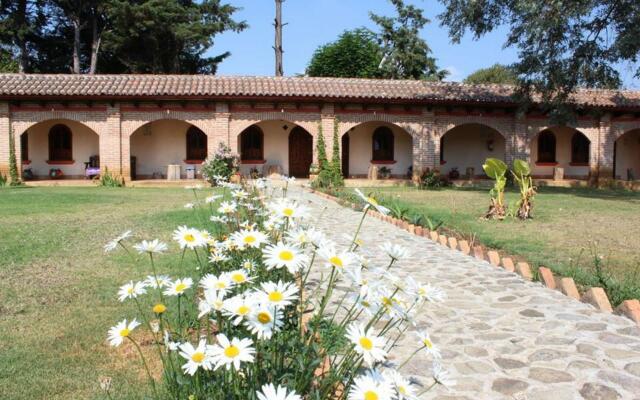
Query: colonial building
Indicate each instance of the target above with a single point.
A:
(137, 125)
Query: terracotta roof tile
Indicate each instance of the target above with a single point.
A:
(141, 86)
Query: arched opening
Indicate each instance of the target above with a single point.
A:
(464, 149)
(560, 152)
(167, 148)
(275, 147)
(627, 156)
(59, 149)
(380, 144)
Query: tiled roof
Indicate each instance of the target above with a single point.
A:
(202, 86)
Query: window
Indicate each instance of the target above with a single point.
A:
(24, 147)
(579, 149)
(196, 144)
(546, 147)
(251, 144)
(441, 150)
(60, 143)
(382, 144)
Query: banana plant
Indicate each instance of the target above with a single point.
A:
(496, 170)
(522, 175)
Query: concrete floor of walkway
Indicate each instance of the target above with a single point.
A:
(501, 337)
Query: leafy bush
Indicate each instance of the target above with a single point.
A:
(496, 170)
(107, 179)
(3, 180)
(330, 172)
(431, 179)
(522, 175)
(221, 166)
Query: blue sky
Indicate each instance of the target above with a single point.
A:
(312, 23)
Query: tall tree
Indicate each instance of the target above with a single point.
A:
(7, 62)
(20, 21)
(496, 73)
(356, 54)
(406, 54)
(277, 23)
(562, 44)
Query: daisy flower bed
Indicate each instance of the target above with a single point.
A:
(246, 321)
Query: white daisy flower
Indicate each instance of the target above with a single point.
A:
(196, 357)
(227, 207)
(157, 282)
(404, 389)
(219, 218)
(442, 376)
(426, 291)
(188, 237)
(239, 276)
(212, 198)
(131, 290)
(395, 251)
(221, 283)
(178, 287)
(366, 387)
(278, 294)
(189, 206)
(239, 194)
(427, 344)
(285, 208)
(269, 392)
(370, 346)
(213, 301)
(248, 238)
(339, 260)
(122, 330)
(115, 242)
(238, 307)
(169, 344)
(316, 237)
(248, 265)
(218, 256)
(264, 322)
(232, 353)
(298, 236)
(371, 202)
(151, 246)
(282, 255)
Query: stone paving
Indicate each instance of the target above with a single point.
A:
(501, 337)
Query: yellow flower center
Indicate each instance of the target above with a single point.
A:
(422, 292)
(231, 351)
(125, 332)
(238, 277)
(264, 318)
(249, 239)
(286, 255)
(275, 296)
(386, 301)
(221, 285)
(159, 308)
(370, 395)
(180, 287)
(402, 390)
(427, 343)
(189, 238)
(198, 357)
(130, 290)
(366, 343)
(372, 201)
(288, 212)
(243, 310)
(336, 261)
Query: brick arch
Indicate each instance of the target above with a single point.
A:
(129, 127)
(238, 123)
(487, 122)
(411, 127)
(20, 124)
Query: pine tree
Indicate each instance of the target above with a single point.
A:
(336, 166)
(13, 164)
(321, 148)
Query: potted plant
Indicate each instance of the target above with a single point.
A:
(254, 173)
(314, 170)
(384, 172)
(454, 173)
(55, 173)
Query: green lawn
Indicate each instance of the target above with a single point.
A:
(58, 289)
(568, 223)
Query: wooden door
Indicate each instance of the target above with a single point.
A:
(345, 155)
(300, 152)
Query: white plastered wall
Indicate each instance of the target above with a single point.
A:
(276, 146)
(563, 155)
(85, 143)
(628, 155)
(360, 149)
(468, 146)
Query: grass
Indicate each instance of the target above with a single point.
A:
(58, 289)
(571, 227)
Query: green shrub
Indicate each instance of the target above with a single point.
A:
(431, 179)
(522, 175)
(222, 165)
(496, 170)
(3, 180)
(107, 179)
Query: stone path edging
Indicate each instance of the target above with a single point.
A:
(595, 296)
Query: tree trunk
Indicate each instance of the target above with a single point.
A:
(95, 46)
(76, 45)
(278, 44)
(21, 39)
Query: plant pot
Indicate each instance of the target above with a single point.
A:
(235, 178)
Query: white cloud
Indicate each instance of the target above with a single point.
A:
(455, 75)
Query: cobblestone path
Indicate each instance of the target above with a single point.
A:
(501, 337)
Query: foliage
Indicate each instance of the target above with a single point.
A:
(522, 175)
(397, 209)
(221, 166)
(562, 45)
(14, 176)
(116, 36)
(431, 179)
(241, 314)
(107, 179)
(321, 148)
(356, 54)
(3, 180)
(406, 54)
(496, 169)
(330, 173)
(497, 73)
(7, 62)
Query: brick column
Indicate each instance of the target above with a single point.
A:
(327, 120)
(426, 147)
(521, 145)
(111, 146)
(5, 127)
(602, 165)
(221, 132)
